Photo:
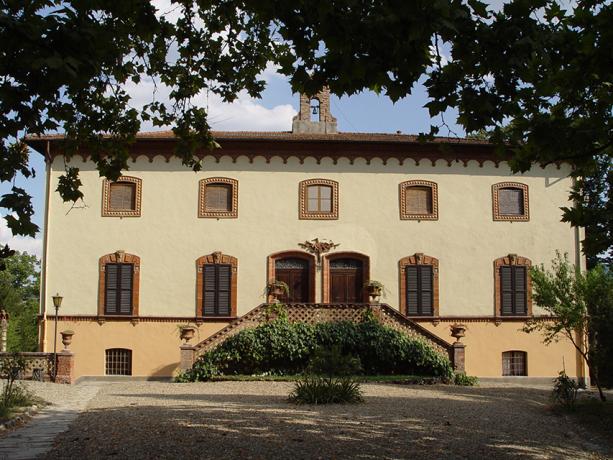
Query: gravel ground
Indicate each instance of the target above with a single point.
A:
(252, 420)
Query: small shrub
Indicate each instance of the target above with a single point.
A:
(321, 390)
(565, 391)
(11, 367)
(465, 380)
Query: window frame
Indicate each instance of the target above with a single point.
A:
(118, 257)
(415, 260)
(130, 360)
(107, 211)
(216, 258)
(304, 213)
(404, 212)
(210, 214)
(497, 215)
(524, 355)
(511, 260)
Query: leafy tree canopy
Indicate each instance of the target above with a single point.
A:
(536, 76)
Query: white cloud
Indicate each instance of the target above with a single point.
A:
(20, 243)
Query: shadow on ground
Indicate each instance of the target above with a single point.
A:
(200, 421)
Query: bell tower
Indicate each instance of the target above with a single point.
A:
(314, 116)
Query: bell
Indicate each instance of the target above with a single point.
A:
(315, 110)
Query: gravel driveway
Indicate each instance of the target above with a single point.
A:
(253, 420)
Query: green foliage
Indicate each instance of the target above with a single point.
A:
(531, 74)
(565, 391)
(333, 363)
(320, 390)
(11, 367)
(577, 302)
(19, 286)
(275, 311)
(464, 380)
(281, 347)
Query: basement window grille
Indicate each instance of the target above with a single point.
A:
(118, 361)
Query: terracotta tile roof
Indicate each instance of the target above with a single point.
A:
(289, 136)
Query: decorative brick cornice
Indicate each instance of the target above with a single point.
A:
(203, 212)
(419, 259)
(106, 198)
(511, 259)
(496, 204)
(119, 257)
(303, 213)
(216, 257)
(404, 212)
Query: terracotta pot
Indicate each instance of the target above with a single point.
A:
(67, 338)
(458, 331)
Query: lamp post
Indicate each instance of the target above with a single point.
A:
(57, 302)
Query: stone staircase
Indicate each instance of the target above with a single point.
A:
(319, 312)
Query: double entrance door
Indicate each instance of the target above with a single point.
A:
(346, 280)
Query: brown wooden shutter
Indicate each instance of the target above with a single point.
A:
(419, 200)
(217, 285)
(520, 291)
(511, 201)
(118, 289)
(122, 196)
(425, 285)
(506, 290)
(218, 197)
(412, 290)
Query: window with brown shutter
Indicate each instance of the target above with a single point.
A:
(514, 363)
(118, 289)
(218, 198)
(419, 291)
(318, 199)
(217, 291)
(513, 290)
(122, 198)
(418, 200)
(510, 201)
(512, 286)
(216, 285)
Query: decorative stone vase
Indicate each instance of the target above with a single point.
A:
(458, 331)
(67, 338)
(374, 292)
(187, 333)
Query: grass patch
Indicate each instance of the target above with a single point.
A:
(399, 379)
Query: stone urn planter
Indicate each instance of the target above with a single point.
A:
(276, 289)
(67, 338)
(187, 333)
(458, 331)
(374, 290)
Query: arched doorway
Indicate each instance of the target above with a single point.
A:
(345, 275)
(297, 270)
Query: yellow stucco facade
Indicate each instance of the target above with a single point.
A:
(169, 237)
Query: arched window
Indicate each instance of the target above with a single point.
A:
(345, 275)
(118, 361)
(318, 199)
(122, 198)
(419, 293)
(315, 108)
(297, 270)
(216, 285)
(512, 286)
(510, 201)
(118, 285)
(418, 200)
(514, 363)
(218, 198)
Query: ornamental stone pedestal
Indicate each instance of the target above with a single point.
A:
(188, 355)
(64, 367)
(458, 349)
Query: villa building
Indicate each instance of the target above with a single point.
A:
(444, 225)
